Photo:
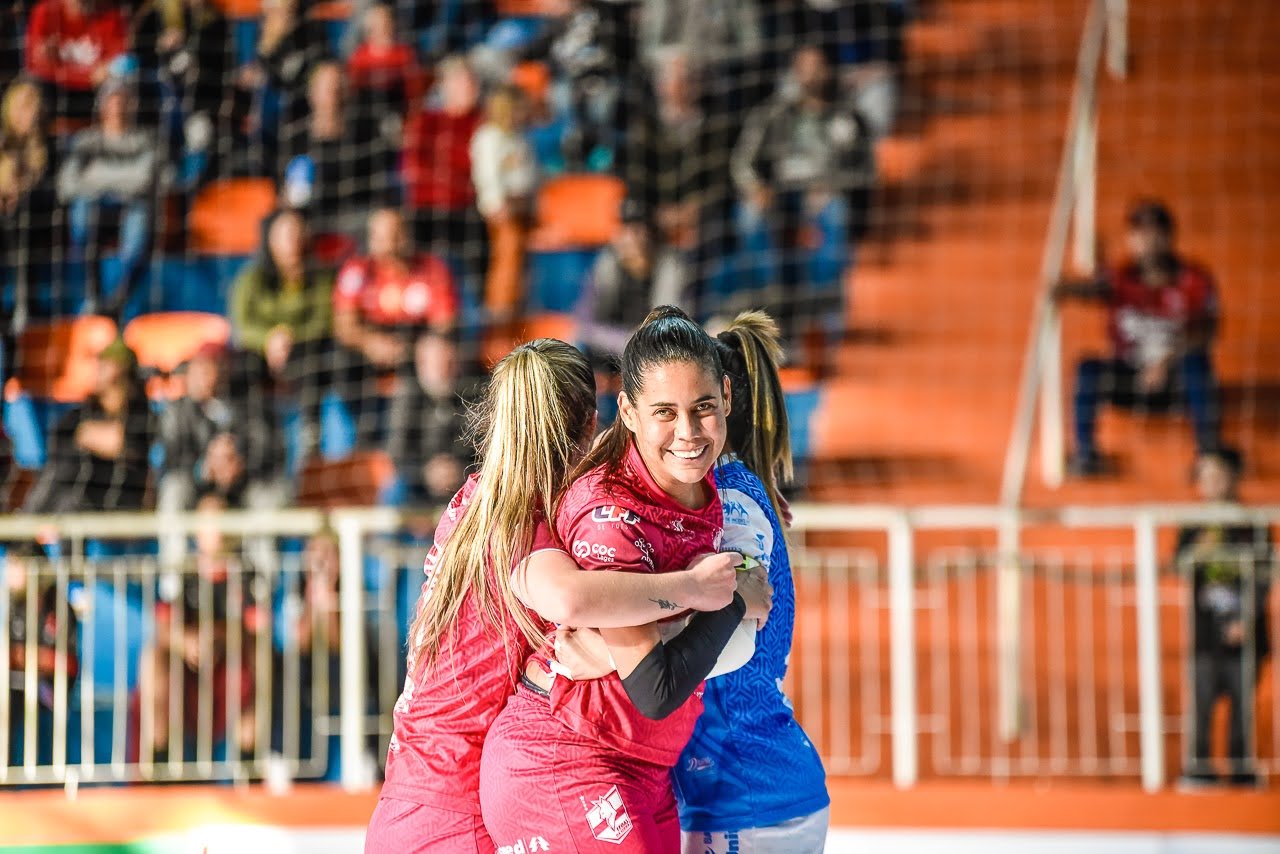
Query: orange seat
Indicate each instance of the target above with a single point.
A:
(353, 482)
(166, 339)
(240, 8)
(577, 211)
(531, 8)
(332, 10)
(533, 78)
(59, 360)
(502, 339)
(226, 218)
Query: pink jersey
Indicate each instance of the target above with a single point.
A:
(1146, 322)
(630, 525)
(441, 718)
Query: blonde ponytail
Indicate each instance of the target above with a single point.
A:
(531, 429)
(758, 428)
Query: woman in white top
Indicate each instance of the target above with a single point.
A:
(505, 174)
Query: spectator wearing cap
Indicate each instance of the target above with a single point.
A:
(1162, 319)
(281, 310)
(70, 45)
(98, 451)
(804, 168)
(505, 173)
(382, 301)
(1230, 569)
(111, 168)
(631, 275)
(427, 437)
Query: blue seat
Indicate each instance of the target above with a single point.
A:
(800, 408)
(556, 278)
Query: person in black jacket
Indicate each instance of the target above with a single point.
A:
(98, 452)
(1230, 568)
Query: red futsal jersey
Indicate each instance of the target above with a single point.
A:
(423, 294)
(441, 718)
(629, 524)
(1146, 322)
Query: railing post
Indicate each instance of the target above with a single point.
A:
(1150, 701)
(352, 681)
(1084, 198)
(1052, 442)
(1009, 627)
(902, 652)
(1118, 38)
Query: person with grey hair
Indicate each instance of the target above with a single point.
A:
(111, 167)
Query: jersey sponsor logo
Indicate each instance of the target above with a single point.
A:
(351, 281)
(582, 549)
(608, 817)
(535, 843)
(695, 764)
(735, 512)
(604, 515)
(646, 551)
(678, 526)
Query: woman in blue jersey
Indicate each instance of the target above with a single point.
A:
(750, 780)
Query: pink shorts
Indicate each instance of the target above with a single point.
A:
(403, 827)
(544, 787)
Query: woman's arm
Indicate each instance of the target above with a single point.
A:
(551, 583)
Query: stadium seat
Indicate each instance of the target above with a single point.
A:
(502, 339)
(165, 340)
(226, 218)
(577, 211)
(355, 481)
(58, 360)
(531, 8)
(533, 78)
(240, 8)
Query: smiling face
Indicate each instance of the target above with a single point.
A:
(678, 422)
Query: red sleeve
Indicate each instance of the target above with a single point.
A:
(605, 537)
(1202, 301)
(544, 539)
(415, 132)
(351, 282)
(115, 36)
(38, 31)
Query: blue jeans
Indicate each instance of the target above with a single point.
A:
(1115, 381)
(84, 215)
(811, 276)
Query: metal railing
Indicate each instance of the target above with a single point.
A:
(896, 669)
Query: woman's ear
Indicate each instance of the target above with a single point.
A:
(627, 413)
(728, 397)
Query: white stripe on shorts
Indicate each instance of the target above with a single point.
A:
(804, 835)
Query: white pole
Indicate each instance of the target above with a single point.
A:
(1052, 442)
(902, 652)
(1150, 705)
(1084, 226)
(351, 662)
(1009, 628)
(1118, 38)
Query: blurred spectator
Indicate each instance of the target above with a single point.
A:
(186, 46)
(383, 71)
(1162, 319)
(633, 273)
(681, 171)
(111, 167)
(437, 171)
(380, 303)
(194, 634)
(282, 315)
(98, 451)
(70, 45)
(723, 39)
(334, 169)
(34, 612)
(505, 173)
(427, 436)
(1230, 568)
(189, 423)
(591, 49)
(27, 201)
(805, 169)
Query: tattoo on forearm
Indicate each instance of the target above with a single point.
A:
(666, 605)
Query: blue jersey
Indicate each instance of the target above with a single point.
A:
(749, 764)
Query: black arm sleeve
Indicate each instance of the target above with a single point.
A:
(671, 672)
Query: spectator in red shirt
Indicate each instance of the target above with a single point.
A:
(1162, 318)
(380, 303)
(383, 70)
(70, 44)
(437, 171)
